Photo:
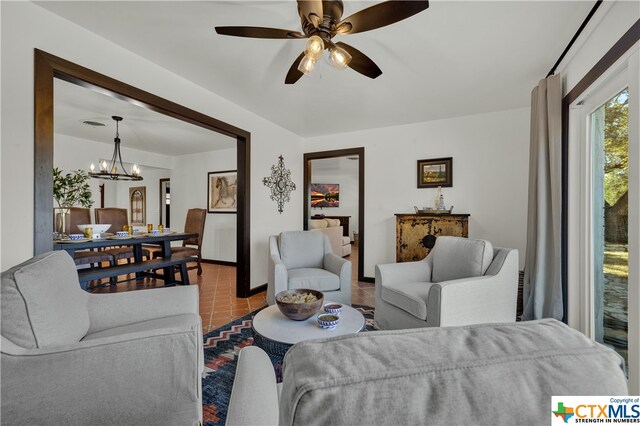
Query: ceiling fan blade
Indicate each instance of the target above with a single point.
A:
(380, 15)
(294, 73)
(361, 62)
(312, 10)
(259, 32)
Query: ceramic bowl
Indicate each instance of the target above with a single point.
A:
(155, 232)
(98, 228)
(333, 308)
(299, 311)
(76, 236)
(328, 321)
(122, 233)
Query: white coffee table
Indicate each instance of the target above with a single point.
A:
(276, 333)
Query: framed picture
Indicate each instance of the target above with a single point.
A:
(222, 192)
(435, 172)
(138, 205)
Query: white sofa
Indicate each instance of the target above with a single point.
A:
(462, 281)
(486, 374)
(340, 244)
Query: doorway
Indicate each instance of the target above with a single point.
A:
(48, 68)
(355, 156)
(165, 203)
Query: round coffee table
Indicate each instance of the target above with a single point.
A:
(275, 333)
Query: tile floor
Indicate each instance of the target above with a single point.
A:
(217, 285)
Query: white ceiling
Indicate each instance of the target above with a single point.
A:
(140, 128)
(456, 58)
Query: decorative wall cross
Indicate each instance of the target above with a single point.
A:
(280, 184)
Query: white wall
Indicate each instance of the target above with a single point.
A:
(189, 190)
(490, 176)
(26, 26)
(347, 178)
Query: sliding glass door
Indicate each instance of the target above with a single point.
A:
(604, 214)
(609, 141)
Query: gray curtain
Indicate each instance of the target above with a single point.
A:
(542, 278)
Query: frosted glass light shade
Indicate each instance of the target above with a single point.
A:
(339, 57)
(314, 48)
(307, 65)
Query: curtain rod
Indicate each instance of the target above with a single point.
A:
(575, 36)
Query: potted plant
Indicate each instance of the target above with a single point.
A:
(69, 190)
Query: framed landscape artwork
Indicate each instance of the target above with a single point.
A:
(325, 195)
(435, 172)
(222, 192)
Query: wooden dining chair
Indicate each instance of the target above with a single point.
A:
(118, 218)
(80, 216)
(193, 246)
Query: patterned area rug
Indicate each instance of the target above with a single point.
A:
(221, 349)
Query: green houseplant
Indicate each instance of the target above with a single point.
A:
(69, 190)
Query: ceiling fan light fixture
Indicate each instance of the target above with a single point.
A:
(307, 65)
(338, 57)
(314, 48)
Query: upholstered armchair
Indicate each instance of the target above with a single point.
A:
(304, 259)
(462, 281)
(74, 358)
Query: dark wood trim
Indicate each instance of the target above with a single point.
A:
(258, 289)
(219, 262)
(48, 67)
(101, 187)
(617, 50)
(307, 198)
(367, 279)
(162, 199)
(243, 221)
(43, 155)
(625, 43)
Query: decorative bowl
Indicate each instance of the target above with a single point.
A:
(299, 311)
(76, 236)
(155, 232)
(98, 228)
(328, 321)
(122, 234)
(333, 308)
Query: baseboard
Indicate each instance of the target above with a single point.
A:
(368, 279)
(258, 289)
(219, 262)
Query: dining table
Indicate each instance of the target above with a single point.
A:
(142, 268)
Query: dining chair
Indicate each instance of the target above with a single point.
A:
(79, 216)
(118, 218)
(191, 247)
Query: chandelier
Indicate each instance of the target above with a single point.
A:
(110, 171)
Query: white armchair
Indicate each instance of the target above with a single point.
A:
(462, 281)
(97, 359)
(304, 259)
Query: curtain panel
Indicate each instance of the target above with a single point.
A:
(542, 292)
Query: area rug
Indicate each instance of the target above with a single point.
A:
(221, 348)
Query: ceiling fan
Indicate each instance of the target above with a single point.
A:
(321, 21)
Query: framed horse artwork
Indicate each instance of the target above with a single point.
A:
(222, 191)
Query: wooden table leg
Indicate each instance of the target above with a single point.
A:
(137, 256)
